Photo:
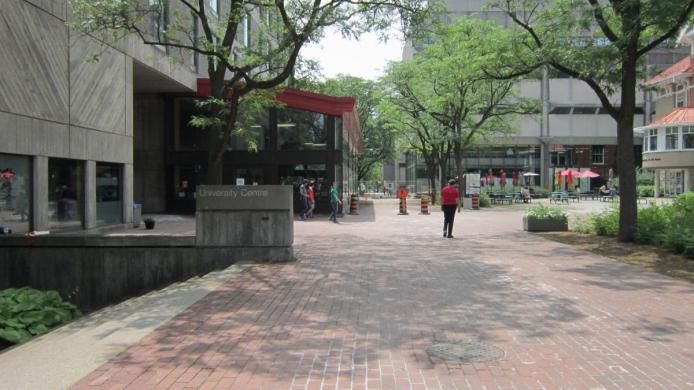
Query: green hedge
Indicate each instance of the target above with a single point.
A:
(25, 313)
(668, 225)
(646, 191)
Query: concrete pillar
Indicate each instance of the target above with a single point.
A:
(90, 194)
(656, 183)
(39, 212)
(127, 194)
(687, 180)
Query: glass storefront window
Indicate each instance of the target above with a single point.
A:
(188, 137)
(672, 137)
(301, 130)
(65, 193)
(185, 182)
(109, 204)
(652, 140)
(256, 130)
(688, 137)
(15, 192)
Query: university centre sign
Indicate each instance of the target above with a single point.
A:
(246, 216)
(244, 198)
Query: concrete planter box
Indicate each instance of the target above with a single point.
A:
(532, 224)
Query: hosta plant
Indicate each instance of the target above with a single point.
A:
(26, 312)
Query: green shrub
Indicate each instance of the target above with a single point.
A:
(646, 191)
(544, 212)
(540, 192)
(25, 313)
(646, 177)
(484, 200)
(583, 224)
(681, 234)
(653, 224)
(606, 223)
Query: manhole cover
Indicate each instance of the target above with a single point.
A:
(466, 351)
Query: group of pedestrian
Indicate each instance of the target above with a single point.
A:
(307, 196)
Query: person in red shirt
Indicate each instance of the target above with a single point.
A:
(449, 203)
(311, 194)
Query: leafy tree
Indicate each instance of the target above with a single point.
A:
(416, 130)
(242, 69)
(446, 82)
(378, 140)
(602, 44)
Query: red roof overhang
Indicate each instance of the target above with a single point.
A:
(684, 66)
(344, 107)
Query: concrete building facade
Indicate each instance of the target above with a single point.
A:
(68, 123)
(91, 127)
(573, 130)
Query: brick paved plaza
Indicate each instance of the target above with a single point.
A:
(368, 295)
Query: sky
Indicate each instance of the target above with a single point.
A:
(366, 58)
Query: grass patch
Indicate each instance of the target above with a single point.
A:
(652, 258)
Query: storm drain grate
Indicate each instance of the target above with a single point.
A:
(466, 351)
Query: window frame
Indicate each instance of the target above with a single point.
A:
(669, 133)
(594, 155)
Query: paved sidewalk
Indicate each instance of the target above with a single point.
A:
(370, 294)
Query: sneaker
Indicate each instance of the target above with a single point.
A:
(449, 236)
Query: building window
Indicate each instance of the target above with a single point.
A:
(559, 159)
(65, 193)
(15, 192)
(213, 5)
(585, 110)
(158, 19)
(679, 96)
(247, 30)
(651, 141)
(301, 130)
(109, 202)
(672, 137)
(688, 137)
(598, 154)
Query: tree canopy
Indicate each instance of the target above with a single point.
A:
(602, 43)
(447, 95)
(248, 45)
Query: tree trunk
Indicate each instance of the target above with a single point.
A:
(625, 152)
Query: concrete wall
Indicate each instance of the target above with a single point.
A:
(93, 272)
(672, 159)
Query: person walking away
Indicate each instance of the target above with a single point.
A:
(311, 200)
(334, 202)
(449, 203)
(303, 197)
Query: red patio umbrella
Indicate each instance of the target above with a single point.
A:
(569, 177)
(558, 178)
(514, 178)
(502, 178)
(588, 175)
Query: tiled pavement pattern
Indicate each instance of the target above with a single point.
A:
(368, 295)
